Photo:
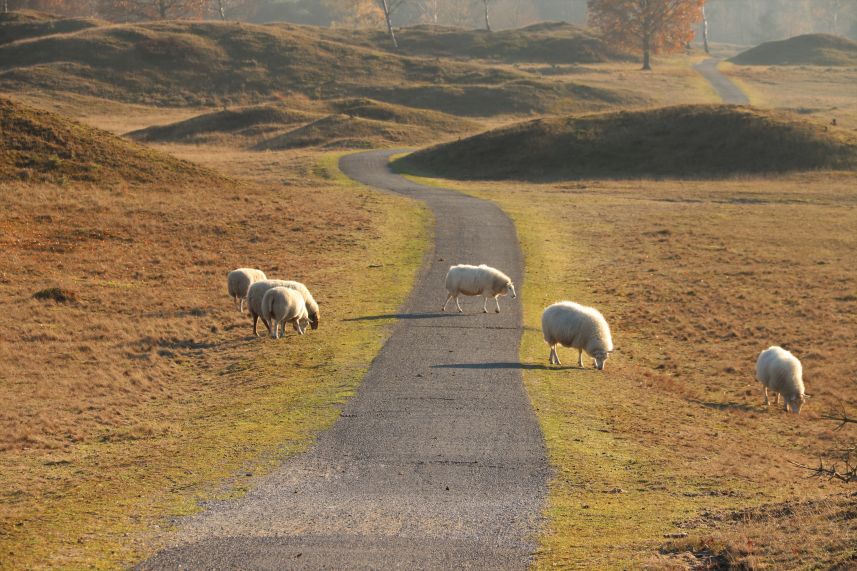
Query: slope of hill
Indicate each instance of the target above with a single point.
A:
(549, 42)
(248, 123)
(688, 141)
(207, 63)
(27, 24)
(808, 49)
(41, 146)
(356, 123)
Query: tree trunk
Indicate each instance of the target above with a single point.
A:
(162, 9)
(705, 30)
(647, 64)
(389, 19)
(221, 10)
(487, 16)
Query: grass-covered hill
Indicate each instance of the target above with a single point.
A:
(347, 123)
(27, 24)
(246, 123)
(39, 146)
(808, 49)
(684, 141)
(549, 42)
(210, 63)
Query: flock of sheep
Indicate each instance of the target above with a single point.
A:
(277, 302)
(565, 323)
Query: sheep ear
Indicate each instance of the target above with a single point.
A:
(807, 396)
(613, 351)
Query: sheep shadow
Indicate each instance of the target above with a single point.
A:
(728, 406)
(402, 316)
(508, 365)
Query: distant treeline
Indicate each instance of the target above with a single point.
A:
(730, 21)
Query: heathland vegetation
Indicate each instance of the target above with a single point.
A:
(704, 233)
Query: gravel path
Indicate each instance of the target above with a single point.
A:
(436, 463)
(726, 89)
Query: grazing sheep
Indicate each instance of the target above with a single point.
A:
(257, 292)
(583, 328)
(477, 280)
(780, 371)
(283, 304)
(311, 305)
(239, 281)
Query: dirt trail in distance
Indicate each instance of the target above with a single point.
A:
(727, 90)
(437, 462)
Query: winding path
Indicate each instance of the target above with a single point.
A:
(438, 461)
(727, 90)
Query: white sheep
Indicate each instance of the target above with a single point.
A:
(283, 304)
(239, 281)
(311, 305)
(583, 328)
(257, 292)
(477, 280)
(780, 371)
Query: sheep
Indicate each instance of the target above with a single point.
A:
(283, 304)
(257, 292)
(239, 281)
(780, 371)
(583, 328)
(311, 305)
(477, 280)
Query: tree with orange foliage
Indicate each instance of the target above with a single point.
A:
(656, 26)
(134, 10)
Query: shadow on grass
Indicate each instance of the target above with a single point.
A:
(521, 366)
(402, 316)
(728, 406)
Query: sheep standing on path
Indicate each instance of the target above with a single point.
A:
(780, 371)
(239, 281)
(257, 292)
(281, 305)
(477, 280)
(583, 328)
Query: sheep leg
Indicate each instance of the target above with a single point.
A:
(241, 305)
(497, 301)
(458, 305)
(255, 320)
(275, 330)
(448, 297)
(555, 356)
(767, 400)
(580, 358)
(484, 304)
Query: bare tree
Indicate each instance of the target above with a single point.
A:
(485, 4)
(389, 7)
(705, 30)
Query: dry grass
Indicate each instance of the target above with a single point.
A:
(146, 393)
(694, 141)
(672, 81)
(696, 278)
(807, 49)
(820, 94)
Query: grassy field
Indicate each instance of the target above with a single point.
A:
(819, 93)
(146, 393)
(696, 278)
